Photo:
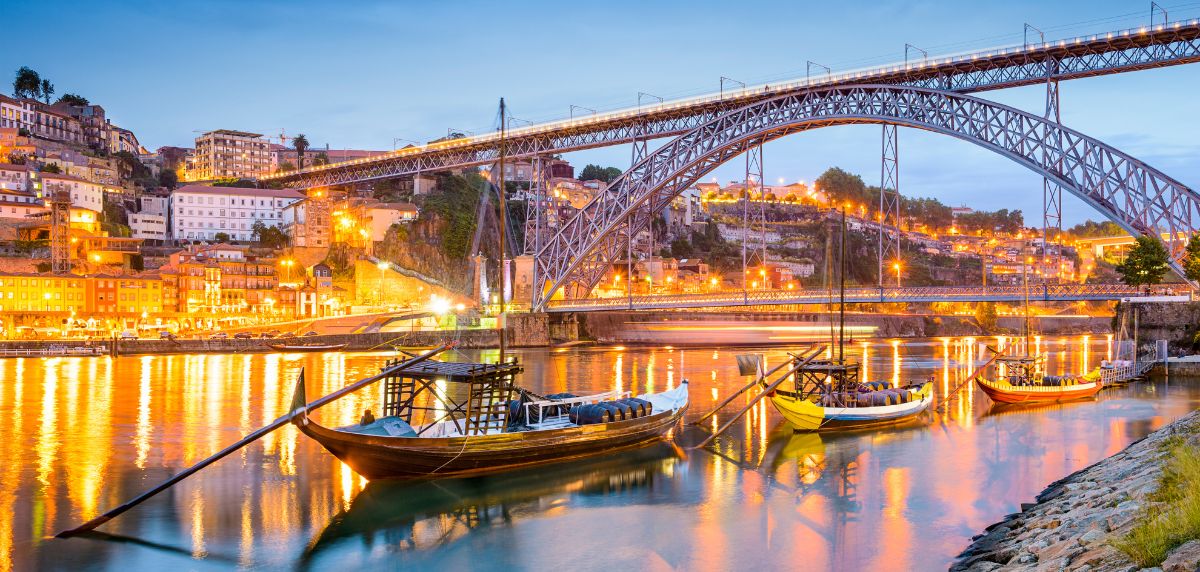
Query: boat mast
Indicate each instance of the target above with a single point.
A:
(842, 291)
(503, 223)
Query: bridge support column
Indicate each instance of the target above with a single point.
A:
(753, 186)
(1051, 191)
(889, 202)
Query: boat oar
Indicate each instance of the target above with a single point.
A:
(297, 408)
(766, 391)
(729, 399)
(970, 378)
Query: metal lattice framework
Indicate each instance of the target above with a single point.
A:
(1116, 52)
(1139, 198)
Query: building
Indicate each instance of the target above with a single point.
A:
(225, 153)
(149, 226)
(201, 212)
(281, 154)
(120, 139)
(84, 194)
(220, 279)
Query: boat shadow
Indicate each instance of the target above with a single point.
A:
(390, 511)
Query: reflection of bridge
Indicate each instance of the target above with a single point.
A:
(708, 131)
(1039, 293)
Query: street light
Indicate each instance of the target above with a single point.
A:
(896, 267)
(382, 266)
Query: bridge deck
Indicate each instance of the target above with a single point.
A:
(1038, 293)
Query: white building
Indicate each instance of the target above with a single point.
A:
(148, 226)
(84, 194)
(226, 153)
(200, 212)
(14, 177)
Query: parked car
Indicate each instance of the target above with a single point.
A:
(219, 336)
(243, 336)
(310, 333)
(266, 335)
(167, 335)
(128, 335)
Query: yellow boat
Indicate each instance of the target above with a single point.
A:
(813, 407)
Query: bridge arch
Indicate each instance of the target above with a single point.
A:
(1139, 198)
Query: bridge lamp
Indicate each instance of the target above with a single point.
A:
(896, 267)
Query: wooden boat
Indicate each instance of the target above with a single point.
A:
(286, 347)
(451, 419)
(841, 403)
(1021, 381)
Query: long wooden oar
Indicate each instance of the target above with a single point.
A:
(729, 399)
(280, 422)
(970, 378)
(766, 391)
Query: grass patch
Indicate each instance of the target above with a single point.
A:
(1175, 521)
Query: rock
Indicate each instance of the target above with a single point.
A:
(983, 566)
(1185, 558)
(1093, 536)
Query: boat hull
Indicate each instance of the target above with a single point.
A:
(1003, 392)
(804, 415)
(308, 348)
(379, 457)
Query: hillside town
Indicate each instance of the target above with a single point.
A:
(101, 236)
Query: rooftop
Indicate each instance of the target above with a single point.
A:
(232, 132)
(240, 191)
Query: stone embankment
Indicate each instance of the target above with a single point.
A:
(1075, 520)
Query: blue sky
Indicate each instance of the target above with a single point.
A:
(358, 74)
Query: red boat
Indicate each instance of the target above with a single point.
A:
(1020, 381)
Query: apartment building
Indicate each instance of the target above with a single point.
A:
(200, 212)
(84, 194)
(226, 153)
(220, 279)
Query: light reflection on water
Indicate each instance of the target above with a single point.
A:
(83, 434)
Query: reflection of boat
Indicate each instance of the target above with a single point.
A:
(474, 420)
(396, 507)
(293, 347)
(1021, 381)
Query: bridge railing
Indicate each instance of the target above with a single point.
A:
(1040, 292)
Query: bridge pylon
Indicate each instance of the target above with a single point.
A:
(889, 201)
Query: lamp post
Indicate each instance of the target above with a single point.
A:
(896, 267)
(383, 266)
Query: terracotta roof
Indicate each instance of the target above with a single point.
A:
(240, 191)
(61, 177)
(12, 167)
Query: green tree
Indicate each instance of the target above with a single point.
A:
(27, 83)
(842, 186)
(985, 315)
(47, 90)
(51, 168)
(1191, 259)
(1146, 263)
(322, 158)
(300, 144)
(168, 178)
(286, 166)
(221, 237)
(73, 99)
(606, 174)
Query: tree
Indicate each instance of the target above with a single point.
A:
(168, 178)
(27, 83)
(286, 166)
(842, 186)
(322, 158)
(1146, 263)
(47, 90)
(221, 237)
(73, 99)
(1191, 259)
(596, 172)
(985, 315)
(51, 168)
(300, 144)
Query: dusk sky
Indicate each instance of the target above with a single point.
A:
(359, 74)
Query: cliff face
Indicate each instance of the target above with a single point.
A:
(1176, 322)
(418, 246)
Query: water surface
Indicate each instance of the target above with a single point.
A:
(83, 434)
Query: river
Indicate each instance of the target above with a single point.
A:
(80, 435)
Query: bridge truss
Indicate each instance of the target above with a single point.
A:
(1139, 198)
(1115, 52)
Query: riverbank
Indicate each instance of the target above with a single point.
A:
(1076, 522)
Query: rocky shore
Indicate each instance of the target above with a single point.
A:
(1075, 520)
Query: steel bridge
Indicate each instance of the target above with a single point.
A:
(571, 256)
(1122, 51)
(872, 295)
